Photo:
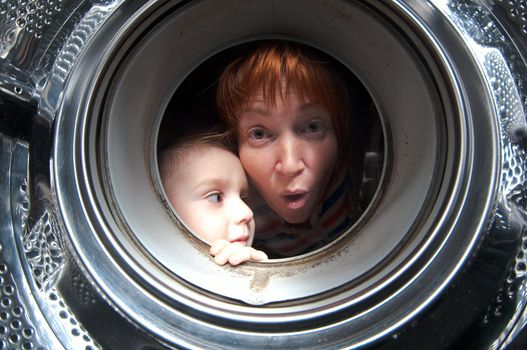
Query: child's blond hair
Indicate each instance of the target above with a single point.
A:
(170, 158)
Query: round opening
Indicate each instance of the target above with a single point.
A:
(148, 86)
(193, 112)
(415, 118)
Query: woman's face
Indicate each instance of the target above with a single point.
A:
(289, 152)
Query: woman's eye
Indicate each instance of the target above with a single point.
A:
(244, 196)
(314, 126)
(215, 197)
(258, 134)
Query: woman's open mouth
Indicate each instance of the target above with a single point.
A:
(295, 200)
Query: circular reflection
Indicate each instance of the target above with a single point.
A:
(366, 284)
(416, 125)
(301, 126)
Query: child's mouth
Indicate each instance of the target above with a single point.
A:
(242, 241)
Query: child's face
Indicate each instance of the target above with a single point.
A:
(289, 152)
(207, 192)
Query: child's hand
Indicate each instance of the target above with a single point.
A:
(235, 253)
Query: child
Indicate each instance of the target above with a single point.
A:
(206, 185)
(289, 114)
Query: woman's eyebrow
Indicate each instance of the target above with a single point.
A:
(308, 105)
(258, 110)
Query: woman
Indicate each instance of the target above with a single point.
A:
(289, 114)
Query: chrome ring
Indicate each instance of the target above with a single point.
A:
(449, 145)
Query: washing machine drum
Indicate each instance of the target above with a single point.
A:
(94, 256)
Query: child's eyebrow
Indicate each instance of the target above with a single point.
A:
(209, 183)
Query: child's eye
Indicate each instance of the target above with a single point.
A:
(215, 197)
(258, 134)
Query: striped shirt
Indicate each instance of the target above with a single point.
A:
(279, 239)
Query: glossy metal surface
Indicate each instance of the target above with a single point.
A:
(77, 253)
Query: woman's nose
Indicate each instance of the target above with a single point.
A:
(289, 157)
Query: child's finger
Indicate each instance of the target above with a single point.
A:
(240, 255)
(258, 255)
(217, 246)
(223, 256)
(246, 254)
(234, 253)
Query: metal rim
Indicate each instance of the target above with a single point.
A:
(121, 242)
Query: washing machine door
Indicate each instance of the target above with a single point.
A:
(92, 256)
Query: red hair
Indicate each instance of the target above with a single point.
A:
(303, 70)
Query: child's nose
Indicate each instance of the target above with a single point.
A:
(244, 214)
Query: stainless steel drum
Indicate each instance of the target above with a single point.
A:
(90, 256)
